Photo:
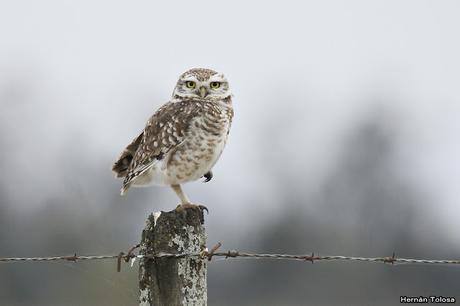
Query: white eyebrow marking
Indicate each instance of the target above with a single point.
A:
(217, 78)
(190, 78)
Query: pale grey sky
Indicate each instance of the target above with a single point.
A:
(93, 71)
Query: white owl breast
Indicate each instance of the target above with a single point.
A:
(194, 157)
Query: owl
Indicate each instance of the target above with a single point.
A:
(183, 139)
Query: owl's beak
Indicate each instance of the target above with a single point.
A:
(203, 92)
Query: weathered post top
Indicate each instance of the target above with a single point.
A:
(173, 281)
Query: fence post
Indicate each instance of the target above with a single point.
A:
(173, 281)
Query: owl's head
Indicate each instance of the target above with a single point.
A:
(201, 83)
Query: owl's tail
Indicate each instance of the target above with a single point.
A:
(124, 189)
(121, 166)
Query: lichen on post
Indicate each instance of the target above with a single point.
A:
(168, 280)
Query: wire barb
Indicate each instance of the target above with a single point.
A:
(209, 254)
(72, 258)
(130, 254)
(390, 260)
(231, 253)
(119, 258)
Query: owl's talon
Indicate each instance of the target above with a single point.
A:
(208, 176)
(203, 208)
(183, 207)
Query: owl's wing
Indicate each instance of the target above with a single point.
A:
(164, 131)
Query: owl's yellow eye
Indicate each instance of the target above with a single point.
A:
(190, 84)
(215, 85)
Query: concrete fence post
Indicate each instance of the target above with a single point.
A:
(170, 281)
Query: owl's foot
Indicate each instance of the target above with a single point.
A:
(183, 207)
(193, 210)
(208, 176)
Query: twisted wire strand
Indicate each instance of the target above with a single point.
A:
(56, 258)
(235, 254)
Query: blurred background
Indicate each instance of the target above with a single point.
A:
(344, 142)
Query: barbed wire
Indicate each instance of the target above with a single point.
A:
(206, 254)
